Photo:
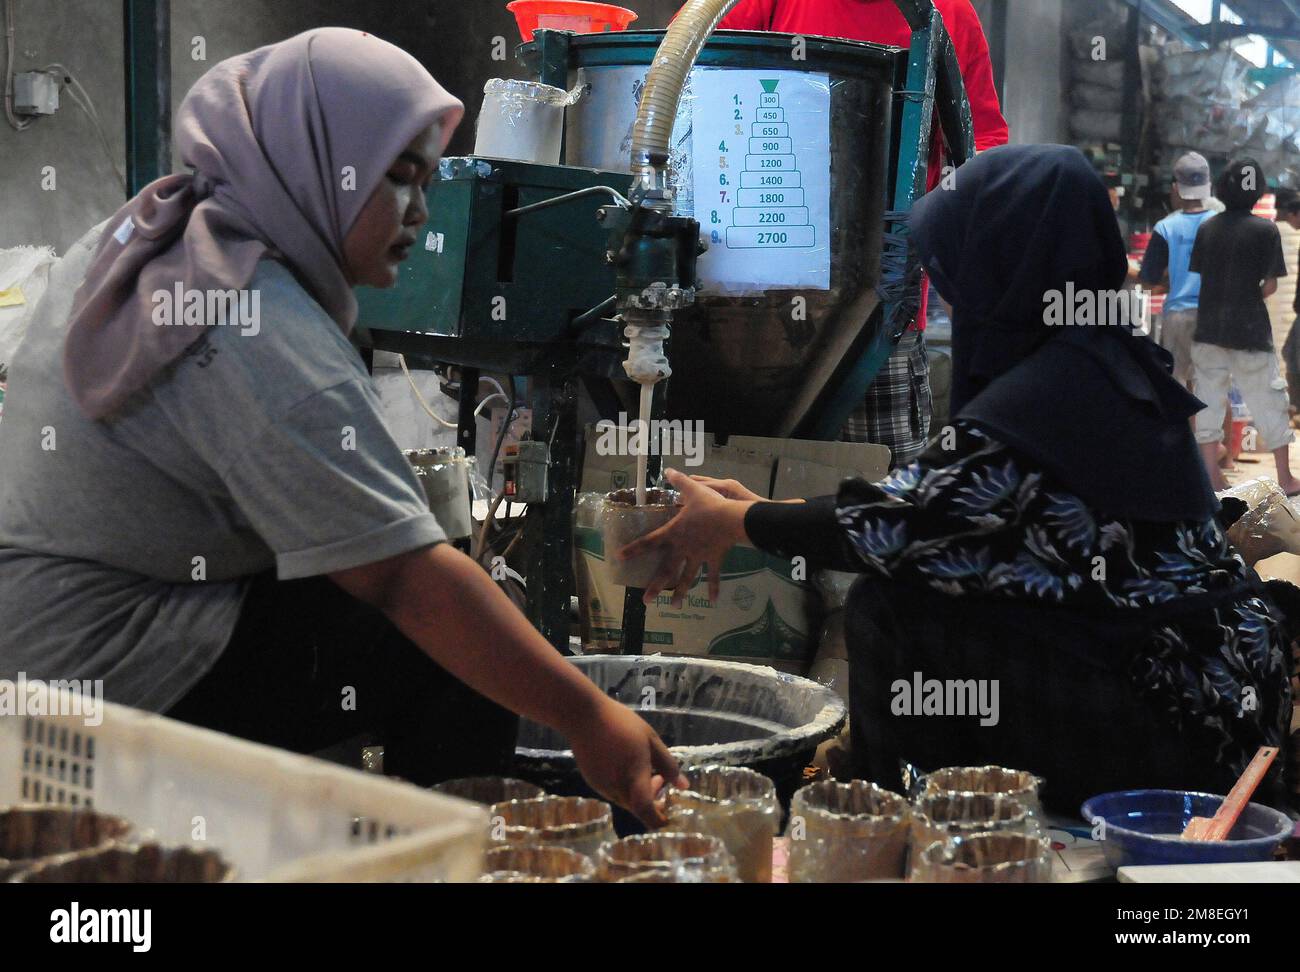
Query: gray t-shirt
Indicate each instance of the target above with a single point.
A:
(126, 545)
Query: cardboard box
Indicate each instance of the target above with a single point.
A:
(768, 612)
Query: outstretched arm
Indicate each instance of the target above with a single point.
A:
(446, 604)
(948, 497)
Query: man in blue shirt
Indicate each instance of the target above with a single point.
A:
(1170, 253)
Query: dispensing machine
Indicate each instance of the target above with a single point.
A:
(751, 232)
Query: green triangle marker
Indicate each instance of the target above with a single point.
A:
(769, 87)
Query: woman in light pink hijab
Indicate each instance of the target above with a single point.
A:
(287, 143)
(313, 153)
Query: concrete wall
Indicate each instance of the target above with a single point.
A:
(454, 38)
(1034, 98)
(86, 38)
(1035, 85)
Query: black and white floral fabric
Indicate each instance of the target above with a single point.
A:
(979, 520)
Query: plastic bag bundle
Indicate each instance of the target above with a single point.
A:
(672, 858)
(961, 780)
(1100, 39)
(1269, 526)
(536, 864)
(1096, 97)
(578, 823)
(988, 858)
(1105, 74)
(941, 816)
(1207, 104)
(847, 832)
(1098, 126)
(734, 804)
(24, 272)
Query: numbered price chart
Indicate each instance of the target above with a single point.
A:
(770, 208)
(762, 179)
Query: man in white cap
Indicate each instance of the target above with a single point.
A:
(1169, 254)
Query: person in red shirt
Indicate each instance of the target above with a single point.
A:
(898, 406)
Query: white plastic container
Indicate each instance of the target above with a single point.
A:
(521, 120)
(444, 474)
(274, 815)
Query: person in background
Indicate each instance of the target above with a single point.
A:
(1239, 257)
(898, 405)
(1063, 545)
(1288, 210)
(1169, 256)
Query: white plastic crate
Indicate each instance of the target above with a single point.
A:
(275, 815)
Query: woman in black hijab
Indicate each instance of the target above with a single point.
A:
(1056, 548)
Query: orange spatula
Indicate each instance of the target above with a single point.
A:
(1220, 825)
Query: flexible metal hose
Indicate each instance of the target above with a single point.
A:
(653, 129)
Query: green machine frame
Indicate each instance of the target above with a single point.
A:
(504, 278)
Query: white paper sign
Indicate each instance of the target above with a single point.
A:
(761, 161)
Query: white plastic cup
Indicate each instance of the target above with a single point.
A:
(622, 521)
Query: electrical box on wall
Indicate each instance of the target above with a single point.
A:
(524, 465)
(36, 93)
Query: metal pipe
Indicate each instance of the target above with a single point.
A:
(587, 317)
(569, 197)
(998, 48)
(147, 70)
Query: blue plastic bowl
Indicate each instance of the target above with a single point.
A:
(1143, 827)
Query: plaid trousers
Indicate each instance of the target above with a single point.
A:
(897, 409)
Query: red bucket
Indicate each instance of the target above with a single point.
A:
(1238, 433)
(582, 18)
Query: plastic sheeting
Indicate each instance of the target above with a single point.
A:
(1270, 524)
(1208, 105)
(24, 271)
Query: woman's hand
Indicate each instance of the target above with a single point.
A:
(625, 761)
(700, 535)
(728, 488)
